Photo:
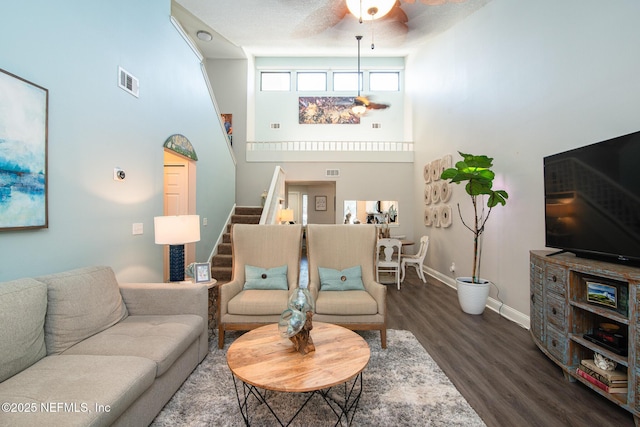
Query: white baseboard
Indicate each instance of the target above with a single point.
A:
(502, 309)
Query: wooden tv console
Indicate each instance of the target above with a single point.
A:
(561, 315)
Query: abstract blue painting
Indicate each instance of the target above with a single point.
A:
(23, 153)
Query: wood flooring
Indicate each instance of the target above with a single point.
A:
(494, 363)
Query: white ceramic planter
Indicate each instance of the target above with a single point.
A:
(472, 296)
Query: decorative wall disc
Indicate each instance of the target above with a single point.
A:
(427, 194)
(435, 192)
(435, 170)
(445, 216)
(446, 162)
(427, 216)
(445, 191)
(435, 217)
(427, 173)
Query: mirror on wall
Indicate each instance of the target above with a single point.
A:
(370, 212)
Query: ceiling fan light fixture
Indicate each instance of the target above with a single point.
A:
(359, 110)
(368, 10)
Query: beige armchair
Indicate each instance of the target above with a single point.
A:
(260, 247)
(342, 247)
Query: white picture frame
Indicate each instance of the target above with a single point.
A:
(321, 203)
(202, 272)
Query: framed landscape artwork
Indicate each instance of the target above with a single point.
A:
(23, 153)
(334, 110)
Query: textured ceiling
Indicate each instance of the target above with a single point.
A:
(314, 28)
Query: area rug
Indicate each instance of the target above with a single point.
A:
(403, 386)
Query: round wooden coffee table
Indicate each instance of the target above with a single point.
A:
(262, 359)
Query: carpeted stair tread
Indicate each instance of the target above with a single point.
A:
(248, 210)
(224, 249)
(221, 260)
(221, 274)
(245, 219)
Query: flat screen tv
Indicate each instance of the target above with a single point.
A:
(592, 200)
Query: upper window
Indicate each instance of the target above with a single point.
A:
(384, 81)
(312, 81)
(346, 81)
(275, 81)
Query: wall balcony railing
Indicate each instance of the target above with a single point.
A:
(330, 151)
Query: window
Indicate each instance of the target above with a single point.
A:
(384, 81)
(275, 81)
(346, 81)
(305, 205)
(312, 81)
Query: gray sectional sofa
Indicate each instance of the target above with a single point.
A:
(79, 349)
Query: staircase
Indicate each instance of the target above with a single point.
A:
(221, 263)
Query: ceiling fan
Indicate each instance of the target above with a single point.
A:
(389, 12)
(361, 103)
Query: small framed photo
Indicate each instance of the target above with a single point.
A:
(321, 203)
(599, 293)
(202, 272)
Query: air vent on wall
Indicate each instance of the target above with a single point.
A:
(332, 173)
(127, 82)
(376, 125)
(275, 125)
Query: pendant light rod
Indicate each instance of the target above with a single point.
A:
(359, 38)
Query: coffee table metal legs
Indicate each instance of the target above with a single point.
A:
(343, 405)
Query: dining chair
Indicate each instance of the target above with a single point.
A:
(416, 260)
(388, 255)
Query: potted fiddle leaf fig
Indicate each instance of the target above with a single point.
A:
(475, 171)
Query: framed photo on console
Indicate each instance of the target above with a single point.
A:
(603, 294)
(202, 272)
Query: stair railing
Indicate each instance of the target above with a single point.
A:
(275, 198)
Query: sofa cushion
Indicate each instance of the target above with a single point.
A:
(346, 303)
(159, 338)
(23, 306)
(266, 278)
(258, 303)
(349, 279)
(95, 389)
(81, 303)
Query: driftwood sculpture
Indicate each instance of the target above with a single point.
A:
(302, 340)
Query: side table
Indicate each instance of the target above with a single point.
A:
(212, 285)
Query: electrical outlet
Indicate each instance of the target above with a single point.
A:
(205, 222)
(453, 267)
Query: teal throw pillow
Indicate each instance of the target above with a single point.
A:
(266, 278)
(349, 279)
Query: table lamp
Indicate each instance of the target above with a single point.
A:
(175, 231)
(286, 216)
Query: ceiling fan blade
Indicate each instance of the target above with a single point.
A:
(321, 19)
(436, 2)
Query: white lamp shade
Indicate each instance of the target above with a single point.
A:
(177, 230)
(382, 7)
(286, 215)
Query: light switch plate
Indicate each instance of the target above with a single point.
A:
(138, 228)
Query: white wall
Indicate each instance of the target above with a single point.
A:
(518, 81)
(282, 107)
(74, 49)
(234, 86)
